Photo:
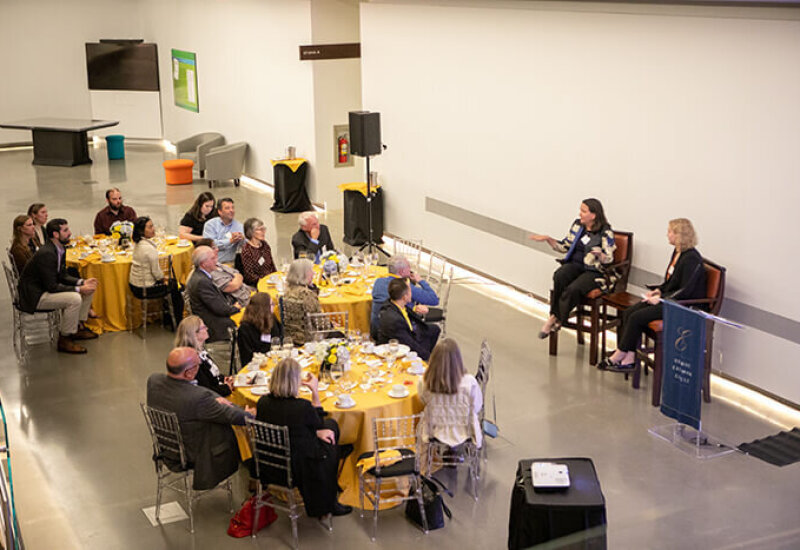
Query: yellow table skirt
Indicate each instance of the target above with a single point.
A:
(354, 298)
(293, 164)
(355, 424)
(112, 289)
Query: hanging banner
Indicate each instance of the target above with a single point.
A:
(683, 363)
(184, 80)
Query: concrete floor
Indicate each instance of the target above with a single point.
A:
(81, 451)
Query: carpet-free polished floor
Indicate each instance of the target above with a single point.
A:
(81, 452)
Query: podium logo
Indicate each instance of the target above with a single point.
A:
(681, 342)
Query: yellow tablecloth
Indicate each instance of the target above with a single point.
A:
(112, 290)
(354, 298)
(293, 164)
(360, 186)
(355, 424)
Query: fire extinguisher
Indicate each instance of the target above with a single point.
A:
(343, 149)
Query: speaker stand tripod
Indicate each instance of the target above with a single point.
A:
(370, 245)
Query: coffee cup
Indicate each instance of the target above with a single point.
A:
(345, 400)
(398, 389)
(369, 347)
(412, 356)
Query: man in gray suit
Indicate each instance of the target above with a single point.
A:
(206, 299)
(204, 417)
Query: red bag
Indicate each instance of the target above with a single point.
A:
(241, 524)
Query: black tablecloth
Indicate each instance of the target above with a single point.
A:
(356, 217)
(538, 517)
(290, 189)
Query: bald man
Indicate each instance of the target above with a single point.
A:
(204, 417)
(206, 298)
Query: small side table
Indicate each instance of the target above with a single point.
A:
(538, 517)
(290, 185)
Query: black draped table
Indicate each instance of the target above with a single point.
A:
(60, 141)
(537, 517)
(290, 185)
(356, 213)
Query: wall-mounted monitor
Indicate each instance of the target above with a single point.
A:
(122, 65)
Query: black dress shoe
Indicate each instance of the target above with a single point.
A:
(618, 367)
(341, 509)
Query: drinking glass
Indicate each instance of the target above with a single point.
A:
(335, 279)
(337, 372)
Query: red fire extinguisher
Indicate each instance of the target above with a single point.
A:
(344, 153)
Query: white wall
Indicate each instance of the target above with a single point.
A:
(519, 114)
(251, 84)
(43, 64)
(337, 91)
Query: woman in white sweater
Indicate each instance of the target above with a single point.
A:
(447, 388)
(146, 273)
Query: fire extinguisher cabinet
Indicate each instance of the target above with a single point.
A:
(356, 215)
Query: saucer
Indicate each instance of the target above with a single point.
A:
(347, 406)
(416, 370)
(398, 396)
(322, 386)
(108, 260)
(259, 390)
(183, 244)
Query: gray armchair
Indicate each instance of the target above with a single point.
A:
(226, 163)
(197, 147)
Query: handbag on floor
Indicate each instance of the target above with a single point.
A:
(241, 524)
(433, 503)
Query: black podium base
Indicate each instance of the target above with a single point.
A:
(290, 189)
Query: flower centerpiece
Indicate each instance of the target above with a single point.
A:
(121, 232)
(332, 262)
(331, 353)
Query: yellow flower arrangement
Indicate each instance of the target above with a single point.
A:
(115, 236)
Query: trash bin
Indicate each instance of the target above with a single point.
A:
(115, 145)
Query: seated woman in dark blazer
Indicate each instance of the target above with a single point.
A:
(312, 438)
(685, 279)
(588, 245)
(258, 327)
(192, 333)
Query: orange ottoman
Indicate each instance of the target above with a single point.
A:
(178, 171)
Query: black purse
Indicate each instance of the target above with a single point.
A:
(433, 503)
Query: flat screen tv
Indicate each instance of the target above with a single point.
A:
(123, 65)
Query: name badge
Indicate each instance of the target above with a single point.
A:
(585, 239)
(261, 260)
(266, 338)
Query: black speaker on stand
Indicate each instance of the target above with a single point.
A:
(365, 141)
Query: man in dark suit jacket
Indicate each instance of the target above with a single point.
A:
(401, 323)
(311, 237)
(45, 284)
(204, 417)
(208, 301)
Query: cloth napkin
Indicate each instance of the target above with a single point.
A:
(386, 458)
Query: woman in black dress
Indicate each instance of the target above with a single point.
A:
(192, 333)
(258, 327)
(312, 438)
(685, 279)
(191, 226)
(588, 245)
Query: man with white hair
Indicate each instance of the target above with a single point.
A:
(207, 300)
(422, 295)
(312, 239)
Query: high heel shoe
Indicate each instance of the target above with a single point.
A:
(545, 333)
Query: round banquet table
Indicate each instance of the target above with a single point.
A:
(355, 424)
(112, 289)
(354, 298)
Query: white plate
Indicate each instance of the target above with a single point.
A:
(383, 350)
(259, 390)
(413, 370)
(349, 406)
(390, 394)
(109, 261)
(274, 279)
(183, 244)
(322, 386)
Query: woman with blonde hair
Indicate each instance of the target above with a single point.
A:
(312, 438)
(447, 385)
(300, 299)
(258, 327)
(192, 333)
(685, 279)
